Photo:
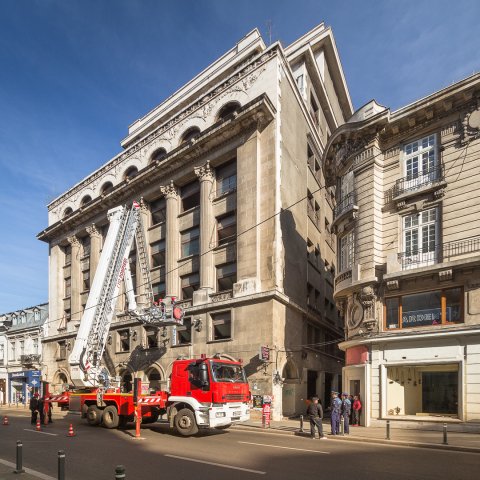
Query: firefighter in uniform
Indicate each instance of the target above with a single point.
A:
(346, 409)
(336, 410)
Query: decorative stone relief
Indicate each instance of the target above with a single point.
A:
(393, 285)
(169, 191)
(93, 231)
(445, 275)
(74, 241)
(471, 123)
(205, 173)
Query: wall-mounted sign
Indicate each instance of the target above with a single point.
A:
(257, 401)
(417, 318)
(264, 354)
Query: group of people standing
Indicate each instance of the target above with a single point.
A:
(37, 407)
(343, 407)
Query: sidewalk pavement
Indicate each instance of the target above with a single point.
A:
(465, 442)
(7, 473)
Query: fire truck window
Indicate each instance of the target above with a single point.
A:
(194, 375)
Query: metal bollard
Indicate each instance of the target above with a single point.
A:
(120, 472)
(388, 429)
(61, 465)
(19, 468)
(445, 442)
(301, 424)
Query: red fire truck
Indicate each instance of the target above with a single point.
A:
(201, 393)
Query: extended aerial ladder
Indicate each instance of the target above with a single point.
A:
(113, 268)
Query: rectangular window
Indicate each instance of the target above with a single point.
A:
(86, 280)
(158, 211)
(62, 350)
(151, 335)
(226, 229)
(124, 340)
(314, 111)
(68, 255)
(420, 232)
(221, 325)
(184, 332)
(190, 242)
(347, 251)
(438, 307)
(68, 287)
(86, 246)
(420, 160)
(158, 290)
(226, 178)
(35, 346)
(190, 283)
(12, 350)
(226, 276)
(190, 196)
(22, 347)
(158, 253)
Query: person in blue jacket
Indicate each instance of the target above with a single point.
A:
(336, 411)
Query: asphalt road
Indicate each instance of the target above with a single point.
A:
(232, 454)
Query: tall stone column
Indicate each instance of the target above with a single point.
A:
(206, 176)
(95, 247)
(75, 278)
(172, 240)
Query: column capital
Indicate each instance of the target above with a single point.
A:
(169, 191)
(93, 231)
(74, 241)
(143, 205)
(205, 173)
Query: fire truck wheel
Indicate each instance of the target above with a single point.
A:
(110, 417)
(185, 422)
(94, 415)
(84, 410)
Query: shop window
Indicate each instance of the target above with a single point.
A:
(190, 283)
(124, 340)
(438, 307)
(190, 196)
(221, 325)
(190, 242)
(226, 276)
(158, 211)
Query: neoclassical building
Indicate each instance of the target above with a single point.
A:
(238, 222)
(21, 334)
(407, 219)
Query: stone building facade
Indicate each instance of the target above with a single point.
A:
(408, 281)
(21, 334)
(237, 218)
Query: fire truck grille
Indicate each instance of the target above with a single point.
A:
(234, 396)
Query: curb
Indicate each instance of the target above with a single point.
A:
(378, 441)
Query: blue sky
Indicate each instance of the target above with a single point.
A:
(75, 73)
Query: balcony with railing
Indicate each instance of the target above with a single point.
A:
(446, 252)
(418, 182)
(346, 206)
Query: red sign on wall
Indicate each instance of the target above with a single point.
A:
(356, 355)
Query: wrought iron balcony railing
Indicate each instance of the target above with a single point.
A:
(29, 359)
(419, 257)
(345, 204)
(414, 182)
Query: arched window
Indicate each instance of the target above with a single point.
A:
(107, 187)
(228, 109)
(67, 212)
(190, 134)
(130, 173)
(154, 379)
(158, 155)
(86, 199)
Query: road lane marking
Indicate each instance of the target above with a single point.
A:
(286, 448)
(217, 464)
(37, 431)
(34, 473)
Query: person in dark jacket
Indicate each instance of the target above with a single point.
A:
(41, 410)
(33, 406)
(346, 410)
(315, 414)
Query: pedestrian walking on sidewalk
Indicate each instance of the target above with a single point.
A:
(346, 410)
(33, 406)
(315, 414)
(357, 406)
(336, 410)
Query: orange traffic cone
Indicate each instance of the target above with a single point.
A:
(38, 427)
(5, 420)
(70, 433)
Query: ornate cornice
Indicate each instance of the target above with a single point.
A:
(205, 173)
(247, 74)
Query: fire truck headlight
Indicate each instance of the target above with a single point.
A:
(220, 414)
